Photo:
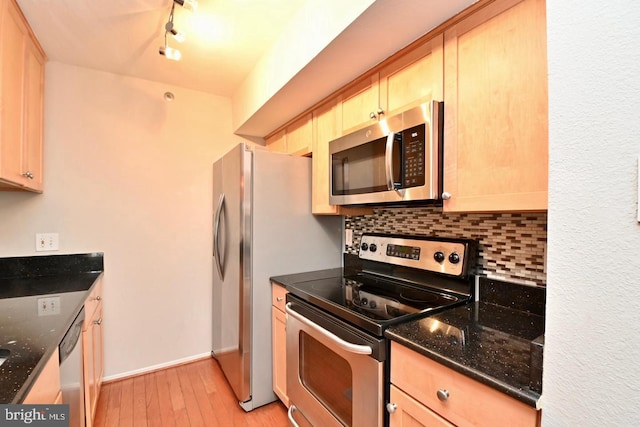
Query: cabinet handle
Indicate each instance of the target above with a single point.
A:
(446, 196)
(98, 298)
(442, 395)
(391, 407)
(28, 175)
(380, 111)
(372, 115)
(98, 322)
(279, 299)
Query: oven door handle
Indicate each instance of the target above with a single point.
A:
(347, 346)
(290, 412)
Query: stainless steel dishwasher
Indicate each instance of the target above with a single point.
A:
(71, 375)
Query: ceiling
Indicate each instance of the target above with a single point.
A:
(225, 40)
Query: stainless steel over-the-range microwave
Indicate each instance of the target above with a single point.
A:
(396, 160)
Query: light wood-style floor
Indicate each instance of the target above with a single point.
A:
(194, 394)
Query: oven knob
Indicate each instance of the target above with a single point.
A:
(364, 246)
(454, 258)
(438, 256)
(373, 247)
(372, 304)
(364, 301)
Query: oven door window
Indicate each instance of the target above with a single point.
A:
(327, 376)
(361, 169)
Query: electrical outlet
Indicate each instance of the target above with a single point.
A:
(48, 306)
(47, 242)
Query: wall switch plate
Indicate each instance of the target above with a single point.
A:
(47, 242)
(48, 306)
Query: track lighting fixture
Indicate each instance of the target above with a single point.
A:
(188, 4)
(169, 28)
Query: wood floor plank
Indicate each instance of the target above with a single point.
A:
(190, 395)
(202, 397)
(139, 402)
(103, 403)
(126, 403)
(164, 400)
(113, 410)
(191, 404)
(152, 401)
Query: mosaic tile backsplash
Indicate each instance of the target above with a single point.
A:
(511, 245)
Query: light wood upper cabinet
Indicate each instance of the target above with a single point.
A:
(414, 78)
(295, 139)
(496, 133)
(21, 102)
(407, 81)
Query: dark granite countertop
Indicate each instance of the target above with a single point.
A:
(291, 279)
(30, 335)
(487, 341)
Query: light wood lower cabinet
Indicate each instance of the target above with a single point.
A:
(279, 342)
(496, 132)
(417, 382)
(93, 352)
(46, 388)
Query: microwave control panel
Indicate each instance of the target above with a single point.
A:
(413, 143)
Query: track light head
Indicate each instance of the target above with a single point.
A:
(178, 35)
(188, 4)
(170, 53)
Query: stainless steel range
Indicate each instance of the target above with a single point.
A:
(336, 350)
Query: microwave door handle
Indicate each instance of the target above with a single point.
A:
(388, 161)
(434, 146)
(345, 345)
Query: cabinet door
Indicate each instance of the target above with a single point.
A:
(411, 413)
(277, 142)
(279, 324)
(496, 142)
(358, 105)
(12, 48)
(299, 136)
(414, 78)
(46, 388)
(33, 118)
(93, 355)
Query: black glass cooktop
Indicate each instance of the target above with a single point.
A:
(373, 303)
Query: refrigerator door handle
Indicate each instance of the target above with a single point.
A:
(217, 255)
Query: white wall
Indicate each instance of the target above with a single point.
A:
(592, 343)
(129, 174)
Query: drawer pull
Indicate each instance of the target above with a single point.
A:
(391, 407)
(279, 299)
(443, 395)
(99, 322)
(98, 298)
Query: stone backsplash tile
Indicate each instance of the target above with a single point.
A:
(511, 245)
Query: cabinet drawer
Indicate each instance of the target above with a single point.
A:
(278, 296)
(91, 304)
(469, 402)
(410, 412)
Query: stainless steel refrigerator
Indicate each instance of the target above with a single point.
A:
(262, 227)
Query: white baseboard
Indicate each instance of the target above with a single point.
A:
(148, 369)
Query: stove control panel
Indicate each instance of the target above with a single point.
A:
(447, 256)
